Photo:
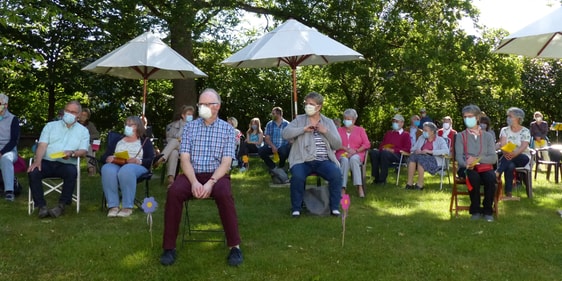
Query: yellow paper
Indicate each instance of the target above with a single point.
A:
(541, 142)
(476, 161)
(388, 145)
(56, 155)
(509, 147)
(122, 155)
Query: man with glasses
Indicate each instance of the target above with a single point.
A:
(275, 143)
(206, 153)
(60, 143)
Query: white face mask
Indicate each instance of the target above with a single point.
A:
(446, 126)
(309, 109)
(347, 123)
(2, 107)
(205, 112)
(128, 131)
(68, 118)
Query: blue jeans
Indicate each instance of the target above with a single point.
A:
(7, 166)
(114, 176)
(508, 166)
(265, 151)
(327, 169)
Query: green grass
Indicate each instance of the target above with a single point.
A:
(392, 234)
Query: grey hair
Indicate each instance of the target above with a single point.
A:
(138, 122)
(431, 126)
(350, 112)
(318, 98)
(211, 90)
(517, 112)
(77, 104)
(3, 99)
(474, 109)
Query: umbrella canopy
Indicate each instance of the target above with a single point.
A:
(542, 38)
(145, 57)
(292, 44)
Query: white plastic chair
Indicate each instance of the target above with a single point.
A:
(55, 185)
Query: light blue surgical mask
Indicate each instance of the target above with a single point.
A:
(470, 122)
(128, 131)
(395, 126)
(189, 118)
(484, 126)
(508, 120)
(347, 123)
(68, 118)
(425, 135)
(254, 127)
(417, 123)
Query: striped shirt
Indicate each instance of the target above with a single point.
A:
(207, 145)
(321, 148)
(274, 132)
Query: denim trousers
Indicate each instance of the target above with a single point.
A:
(7, 166)
(508, 166)
(52, 169)
(327, 170)
(125, 177)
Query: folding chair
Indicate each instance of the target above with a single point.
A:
(403, 162)
(190, 229)
(55, 185)
(526, 174)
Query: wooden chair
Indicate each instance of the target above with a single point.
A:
(459, 190)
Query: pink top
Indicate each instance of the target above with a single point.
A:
(357, 139)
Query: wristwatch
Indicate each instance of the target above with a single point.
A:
(73, 154)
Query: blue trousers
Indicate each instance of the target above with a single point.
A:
(125, 177)
(265, 151)
(49, 169)
(328, 170)
(7, 166)
(508, 166)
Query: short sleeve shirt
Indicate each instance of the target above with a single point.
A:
(275, 132)
(208, 144)
(60, 138)
(517, 137)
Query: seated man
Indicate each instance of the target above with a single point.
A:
(207, 149)
(316, 138)
(275, 143)
(9, 136)
(84, 119)
(389, 150)
(174, 131)
(70, 138)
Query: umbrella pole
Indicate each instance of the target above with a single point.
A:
(295, 91)
(144, 97)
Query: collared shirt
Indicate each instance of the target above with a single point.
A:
(59, 137)
(207, 144)
(275, 132)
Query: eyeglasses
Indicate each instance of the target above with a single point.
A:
(307, 103)
(207, 104)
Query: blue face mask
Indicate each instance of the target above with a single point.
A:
(68, 118)
(395, 126)
(128, 131)
(254, 127)
(189, 118)
(483, 126)
(508, 121)
(425, 135)
(417, 123)
(470, 122)
(347, 123)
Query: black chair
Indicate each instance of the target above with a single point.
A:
(190, 229)
(146, 177)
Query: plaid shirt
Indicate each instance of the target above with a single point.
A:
(274, 132)
(207, 145)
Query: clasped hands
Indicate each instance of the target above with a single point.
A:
(319, 127)
(202, 190)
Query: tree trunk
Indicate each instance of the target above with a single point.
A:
(185, 92)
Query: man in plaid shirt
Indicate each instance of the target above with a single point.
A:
(206, 153)
(275, 143)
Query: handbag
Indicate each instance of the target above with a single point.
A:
(119, 161)
(480, 168)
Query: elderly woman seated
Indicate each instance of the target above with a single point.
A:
(115, 175)
(425, 155)
(352, 152)
(315, 138)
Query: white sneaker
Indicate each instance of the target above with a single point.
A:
(336, 213)
(112, 212)
(296, 214)
(123, 213)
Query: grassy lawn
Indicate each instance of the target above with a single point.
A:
(392, 234)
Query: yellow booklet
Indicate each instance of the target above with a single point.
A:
(509, 147)
(388, 145)
(476, 161)
(57, 155)
(122, 155)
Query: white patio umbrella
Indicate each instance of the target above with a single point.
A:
(542, 38)
(145, 57)
(292, 44)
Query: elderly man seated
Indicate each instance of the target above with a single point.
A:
(393, 142)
